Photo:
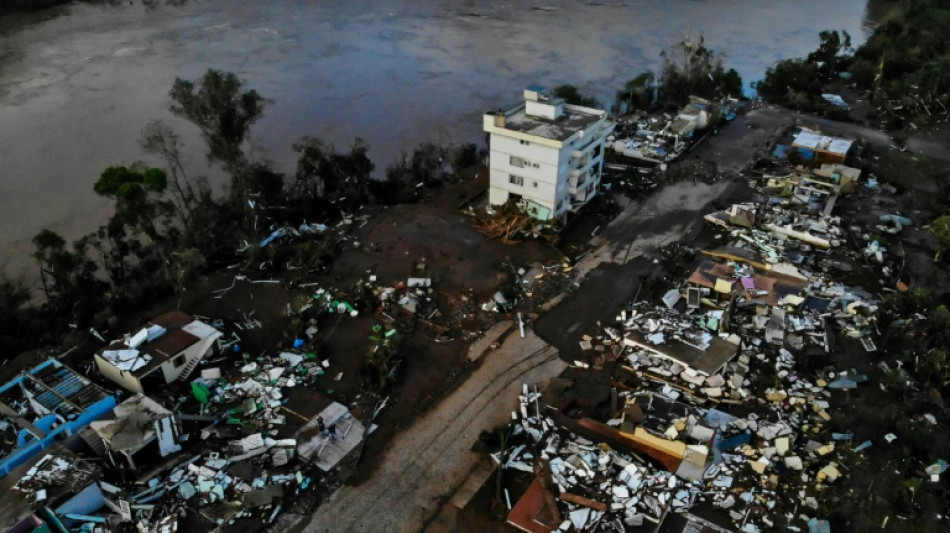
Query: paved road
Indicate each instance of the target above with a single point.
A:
(428, 460)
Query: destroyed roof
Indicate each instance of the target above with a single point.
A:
(707, 361)
(682, 125)
(775, 285)
(55, 388)
(156, 342)
(45, 403)
(133, 423)
(573, 120)
(58, 471)
(531, 512)
(323, 451)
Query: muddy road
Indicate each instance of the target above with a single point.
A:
(623, 255)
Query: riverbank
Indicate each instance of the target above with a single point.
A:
(80, 82)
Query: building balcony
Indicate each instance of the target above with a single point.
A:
(575, 172)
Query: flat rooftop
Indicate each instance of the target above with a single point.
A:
(811, 140)
(573, 120)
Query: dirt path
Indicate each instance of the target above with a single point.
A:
(432, 457)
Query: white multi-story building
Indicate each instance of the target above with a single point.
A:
(546, 154)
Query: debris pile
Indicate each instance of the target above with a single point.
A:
(660, 139)
(712, 412)
(509, 225)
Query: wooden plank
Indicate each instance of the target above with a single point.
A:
(586, 502)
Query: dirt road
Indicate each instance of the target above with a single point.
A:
(430, 458)
(918, 143)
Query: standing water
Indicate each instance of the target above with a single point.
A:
(77, 83)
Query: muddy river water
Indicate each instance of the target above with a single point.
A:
(77, 83)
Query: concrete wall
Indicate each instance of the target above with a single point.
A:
(196, 351)
(125, 379)
(547, 176)
(542, 167)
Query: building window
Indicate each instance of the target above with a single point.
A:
(516, 180)
(534, 184)
(518, 162)
(179, 361)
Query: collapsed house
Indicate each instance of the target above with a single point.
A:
(138, 427)
(659, 140)
(45, 405)
(698, 115)
(167, 349)
(234, 448)
(57, 491)
(671, 335)
(688, 447)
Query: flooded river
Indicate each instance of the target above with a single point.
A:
(77, 83)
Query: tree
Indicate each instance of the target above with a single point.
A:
(159, 139)
(322, 172)
(497, 442)
(428, 163)
(832, 52)
(54, 261)
(426, 166)
(68, 277)
(399, 187)
(571, 95)
(262, 183)
(940, 228)
(138, 194)
(791, 82)
(185, 265)
(13, 296)
(690, 68)
(637, 93)
(463, 157)
(221, 109)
